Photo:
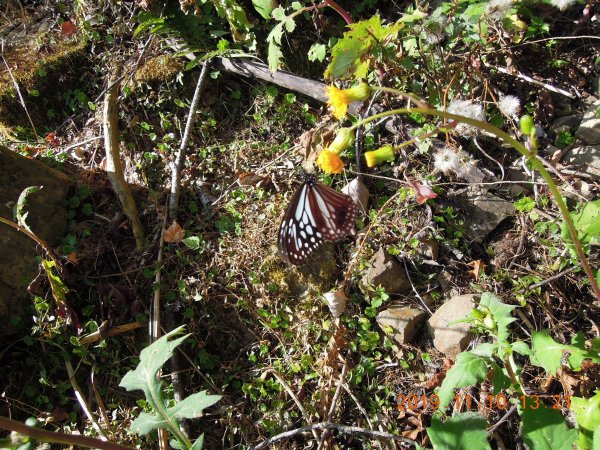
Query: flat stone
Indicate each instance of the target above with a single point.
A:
(386, 271)
(482, 212)
(401, 323)
(570, 122)
(589, 129)
(584, 158)
(451, 340)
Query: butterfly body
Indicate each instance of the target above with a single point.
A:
(315, 213)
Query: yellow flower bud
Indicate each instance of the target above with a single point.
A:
(374, 157)
(330, 162)
(343, 139)
(339, 99)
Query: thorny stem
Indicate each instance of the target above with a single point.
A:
(530, 155)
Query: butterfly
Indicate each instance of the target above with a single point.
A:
(316, 213)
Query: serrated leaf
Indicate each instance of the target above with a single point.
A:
(500, 379)
(18, 211)
(521, 348)
(193, 242)
(264, 7)
(547, 353)
(351, 55)
(278, 14)
(587, 414)
(461, 431)
(485, 349)
(412, 17)
(317, 52)
(501, 313)
(152, 358)
(587, 223)
(546, 429)
(192, 406)
(469, 370)
(57, 286)
(274, 55)
(145, 423)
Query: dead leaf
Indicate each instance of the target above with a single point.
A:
(478, 267)
(68, 29)
(174, 233)
(252, 179)
(422, 192)
(52, 140)
(72, 257)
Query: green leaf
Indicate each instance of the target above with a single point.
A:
(468, 370)
(145, 423)
(152, 359)
(199, 443)
(461, 431)
(351, 56)
(501, 313)
(547, 353)
(59, 290)
(274, 52)
(546, 429)
(500, 379)
(192, 406)
(587, 224)
(317, 52)
(521, 348)
(264, 7)
(193, 242)
(587, 414)
(18, 213)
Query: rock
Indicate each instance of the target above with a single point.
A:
(570, 122)
(451, 340)
(589, 129)
(401, 322)
(46, 218)
(483, 212)
(386, 272)
(359, 193)
(584, 158)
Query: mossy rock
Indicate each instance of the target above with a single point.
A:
(48, 71)
(46, 217)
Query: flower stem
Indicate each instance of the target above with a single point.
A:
(535, 163)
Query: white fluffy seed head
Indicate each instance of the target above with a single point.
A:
(446, 160)
(562, 4)
(509, 105)
(467, 108)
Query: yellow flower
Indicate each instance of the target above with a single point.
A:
(374, 157)
(339, 99)
(330, 162)
(343, 139)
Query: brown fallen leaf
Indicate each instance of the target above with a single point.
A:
(68, 29)
(174, 233)
(478, 267)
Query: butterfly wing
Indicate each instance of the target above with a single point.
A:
(316, 212)
(334, 212)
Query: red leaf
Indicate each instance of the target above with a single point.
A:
(174, 233)
(422, 192)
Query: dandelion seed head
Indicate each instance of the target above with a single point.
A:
(446, 160)
(467, 108)
(509, 105)
(562, 4)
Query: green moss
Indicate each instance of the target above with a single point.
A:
(39, 71)
(160, 68)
